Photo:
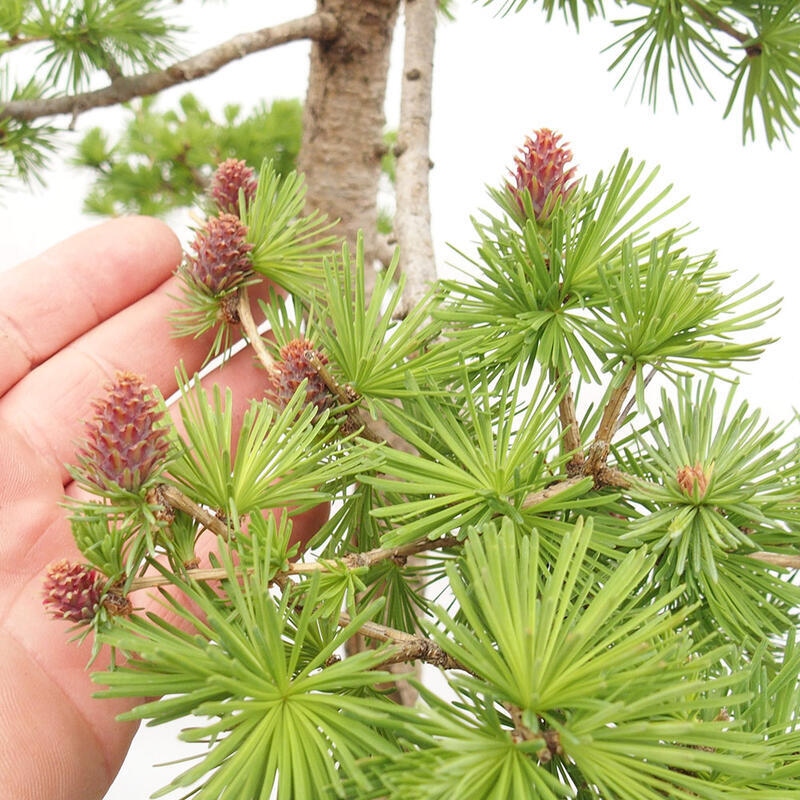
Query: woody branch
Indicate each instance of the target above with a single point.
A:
(320, 27)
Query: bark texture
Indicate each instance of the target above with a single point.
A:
(343, 145)
(123, 88)
(344, 119)
(413, 217)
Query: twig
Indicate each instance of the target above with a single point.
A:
(569, 424)
(251, 330)
(549, 738)
(629, 405)
(320, 27)
(413, 216)
(522, 733)
(177, 499)
(371, 557)
(407, 646)
(599, 449)
(345, 396)
(715, 21)
(615, 478)
(112, 68)
(142, 582)
(611, 413)
(336, 389)
(776, 559)
(15, 40)
(534, 498)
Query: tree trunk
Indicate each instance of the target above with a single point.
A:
(342, 146)
(344, 120)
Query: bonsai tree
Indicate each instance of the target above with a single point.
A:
(599, 563)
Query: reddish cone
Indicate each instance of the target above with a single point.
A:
(71, 591)
(126, 442)
(541, 170)
(221, 259)
(230, 176)
(287, 374)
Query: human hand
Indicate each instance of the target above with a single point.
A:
(69, 319)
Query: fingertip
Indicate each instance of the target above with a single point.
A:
(51, 300)
(145, 248)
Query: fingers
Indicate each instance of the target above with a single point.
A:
(49, 301)
(68, 319)
(50, 747)
(47, 406)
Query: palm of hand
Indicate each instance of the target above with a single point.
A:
(68, 320)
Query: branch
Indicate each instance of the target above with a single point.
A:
(175, 498)
(346, 397)
(535, 498)
(776, 559)
(413, 217)
(569, 423)
(715, 21)
(549, 738)
(407, 646)
(319, 27)
(623, 415)
(598, 450)
(251, 331)
(369, 558)
(15, 40)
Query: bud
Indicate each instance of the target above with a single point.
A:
(72, 591)
(117, 605)
(287, 374)
(541, 170)
(230, 176)
(126, 441)
(221, 259)
(694, 481)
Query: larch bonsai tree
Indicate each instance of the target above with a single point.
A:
(601, 567)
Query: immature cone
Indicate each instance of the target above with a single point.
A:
(71, 591)
(541, 170)
(287, 374)
(221, 259)
(694, 479)
(126, 441)
(230, 176)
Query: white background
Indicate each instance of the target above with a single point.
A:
(496, 80)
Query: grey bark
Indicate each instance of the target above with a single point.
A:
(413, 217)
